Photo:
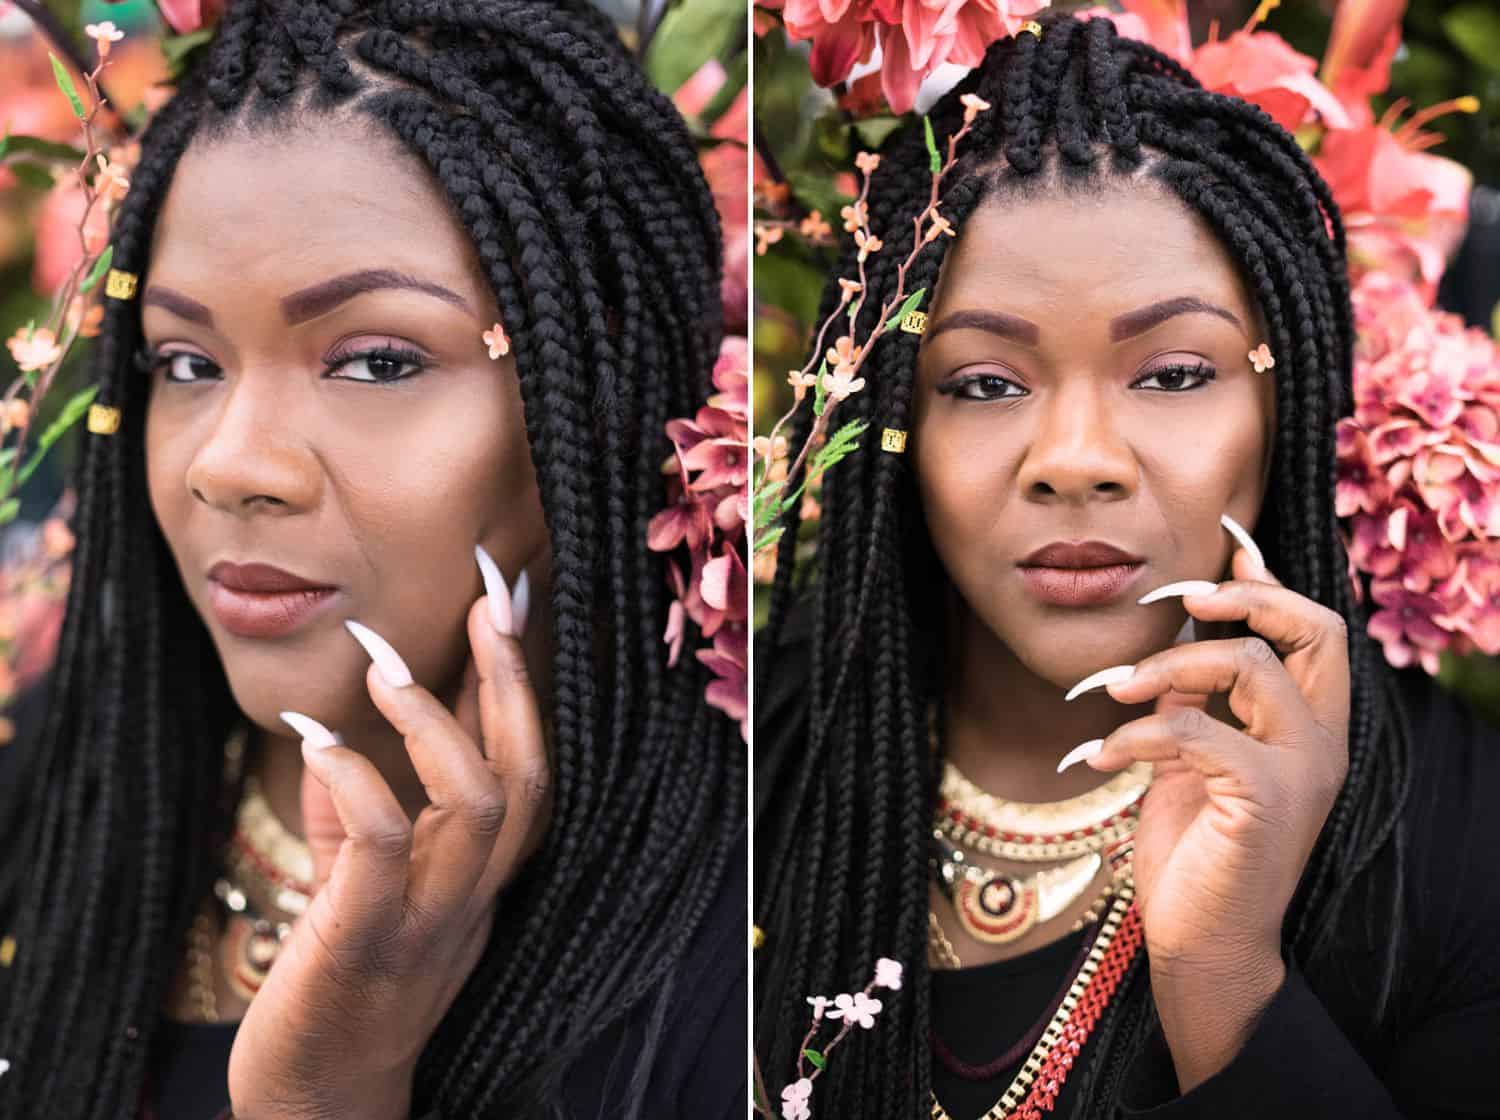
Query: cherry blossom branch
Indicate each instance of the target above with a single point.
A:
(41, 351)
(846, 356)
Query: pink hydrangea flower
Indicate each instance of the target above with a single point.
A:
(888, 973)
(794, 1099)
(859, 1009)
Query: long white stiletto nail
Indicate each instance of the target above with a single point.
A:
(1116, 674)
(497, 593)
(1182, 587)
(1247, 542)
(386, 659)
(313, 733)
(521, 602)
(1080, 752)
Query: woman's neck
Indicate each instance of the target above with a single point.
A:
(1007, 728)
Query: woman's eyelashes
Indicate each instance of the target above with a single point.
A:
(379, 365)
(989, 386)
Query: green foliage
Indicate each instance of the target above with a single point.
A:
(910, 304)
(65, 83)
(101, 266)
(815, 1058)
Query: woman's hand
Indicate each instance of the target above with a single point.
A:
(1232, 814)
(402, 912)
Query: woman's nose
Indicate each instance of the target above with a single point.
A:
(253, 455)
(1077, 452)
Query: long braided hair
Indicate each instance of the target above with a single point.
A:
(579, 186)
(844, 804)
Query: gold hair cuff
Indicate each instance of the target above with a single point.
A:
(1031, 27)
(914, 322)
(757, 936)
(120, 285)
(893, 440)
(104, 419)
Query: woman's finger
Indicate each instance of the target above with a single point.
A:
(1261, 694)
(455, 833)
(511, 724)
(1208, 745)
(1312, 640)
(361, 857)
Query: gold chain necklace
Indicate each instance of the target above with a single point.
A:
(1036, 1085)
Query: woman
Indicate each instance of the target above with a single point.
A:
(403, 295)
(1267, 892)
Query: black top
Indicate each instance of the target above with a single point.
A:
(701, 1066)
(1312, 1054)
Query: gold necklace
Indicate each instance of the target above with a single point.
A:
(1036, 1085)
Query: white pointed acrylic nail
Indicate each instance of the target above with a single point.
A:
(497, 593)
(1115, 674)
(386, 659)
(1247, 542)
(520, 602)
(313, 733)
(1080, 752)
(1182, 587)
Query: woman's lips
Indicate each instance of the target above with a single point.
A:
(1079, 587)
(266, 614)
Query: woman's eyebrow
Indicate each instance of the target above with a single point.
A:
(1143, 319)
(314, 301)
(178, 304)
(1121, 327)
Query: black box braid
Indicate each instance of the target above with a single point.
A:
(579, 186)
(843, 803)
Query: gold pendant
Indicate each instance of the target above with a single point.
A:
(996, 908)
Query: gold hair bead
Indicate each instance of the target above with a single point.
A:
(103, 419)
(757, 936)
(7, 950)
(120, 285)
(1031, 27)
(914, 322)
(893, 440)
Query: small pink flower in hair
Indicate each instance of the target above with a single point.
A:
(498, 342)
(851, 288)
(104, 34)
(973, 105)
(1261, 358)
(868, 243)
(867, 162)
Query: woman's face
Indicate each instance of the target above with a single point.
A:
(1052, 405)
(325, 403)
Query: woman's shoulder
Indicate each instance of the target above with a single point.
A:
(1451, 888)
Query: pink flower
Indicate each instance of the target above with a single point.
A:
(728, 660)
(1357, 59)
(35, 350)
(685, 520)
(888, 973)
(819, 1005)
(1406, 625)
(858, 1008)
(111, 182)
(723, 584)
(104, 34)
(1361, 485)
(841, 383)
(867, 162)
(794, 1099)
(497, 341)
(190, 15)
(1262, 68)
(973, 105)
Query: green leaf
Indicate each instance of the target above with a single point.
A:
(839, 446)
(934, 161)
(176, 48)
(769, 537)
(42, 151)
(768, 503)
(9, 510)
(873, 131)
(65, 83)
(33, 176)
(77, 405)
(815, 1058)
(908, 305)
(820, 394)
(101, 266)
(1475, 30)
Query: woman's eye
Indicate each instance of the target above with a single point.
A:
(182, 367)
(381, 366)
(1170, 378)
(984, 387)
